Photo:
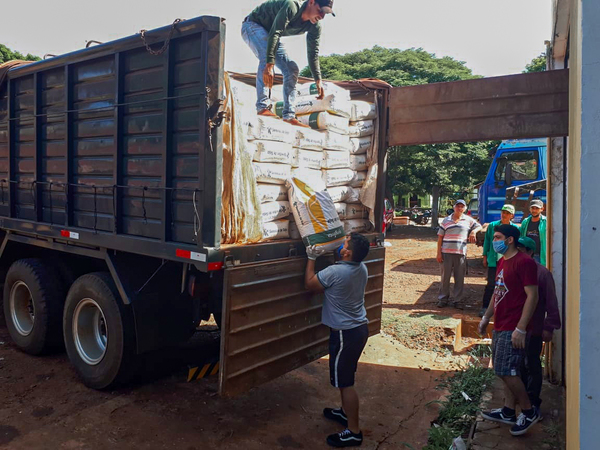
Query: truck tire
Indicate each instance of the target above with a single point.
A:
(99, 332)
(33, 301)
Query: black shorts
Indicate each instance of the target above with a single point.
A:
(507, 360)
(345, 348)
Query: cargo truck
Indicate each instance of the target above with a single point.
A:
(111, 164)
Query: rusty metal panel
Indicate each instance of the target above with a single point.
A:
(510, 107)
(272, 325)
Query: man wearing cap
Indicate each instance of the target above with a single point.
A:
(453, 234)
(262, 30)
(513, 304)
(545, 320)
(490, 257)
(534, 227)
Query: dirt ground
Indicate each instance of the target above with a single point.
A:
(44, 406)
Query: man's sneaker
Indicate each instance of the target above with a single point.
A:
(268, 113)
(442, 303)
(336, 414)
(457, 305)
(497, 415)
(345, 438)
(296, 123)
(524, 423)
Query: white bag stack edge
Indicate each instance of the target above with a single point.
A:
(331, 154)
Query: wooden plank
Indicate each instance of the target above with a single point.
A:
(509, 107)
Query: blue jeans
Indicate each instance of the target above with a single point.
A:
(256, 37)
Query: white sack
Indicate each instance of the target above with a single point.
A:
(361, 128)
(311, 177)
(308, 159)
(356, 226)
(336, 141)
(358, 179)
(334, 159)
(358, 162)
(353, 195)
(276, 230)
(272, 151)
(271, 211)
(328, 88)
(339, 193)
(356, 211)
(270, 129)
(271, 172)
(325, 121)
(309, 139)
(337, 177)
(362, 110)
(341, 209)
(315, 216)
(360, 145)
(271, 192)
(310, 104)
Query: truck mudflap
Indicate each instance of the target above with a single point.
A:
(272, 324)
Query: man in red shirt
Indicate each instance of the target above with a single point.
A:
(513, 304)
(545, 320)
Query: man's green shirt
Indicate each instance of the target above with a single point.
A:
(284, 18)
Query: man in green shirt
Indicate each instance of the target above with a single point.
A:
(534, 227)
(490, 257)
(262, 30)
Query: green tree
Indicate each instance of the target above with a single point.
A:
(6, 54)
(537, 64)
(417, 169)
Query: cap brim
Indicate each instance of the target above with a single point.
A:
(327, 10)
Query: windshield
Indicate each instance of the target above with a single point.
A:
(524, 166)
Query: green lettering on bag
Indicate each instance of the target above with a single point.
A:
(324, 236)
(279, 109)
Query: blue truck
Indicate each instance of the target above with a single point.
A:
(516, 162)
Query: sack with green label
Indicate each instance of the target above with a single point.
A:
(315, 216)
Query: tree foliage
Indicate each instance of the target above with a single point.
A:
(417, 169)
(537, 64)
(6, 54)
(397, 67)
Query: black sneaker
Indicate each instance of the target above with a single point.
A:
(442, 303)
(336, 414)
(498, 415)
(345, 438)
(524, 423)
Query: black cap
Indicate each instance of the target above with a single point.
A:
(326, 6)
(509, 231)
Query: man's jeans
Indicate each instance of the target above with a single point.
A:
(256, 37)
(453, 264)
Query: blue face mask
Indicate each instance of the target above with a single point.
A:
(500, 247)
(339, 251)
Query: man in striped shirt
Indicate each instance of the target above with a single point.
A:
(453, 234)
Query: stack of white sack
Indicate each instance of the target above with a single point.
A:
(272, 141)
(345, 145)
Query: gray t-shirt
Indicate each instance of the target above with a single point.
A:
(344, 306)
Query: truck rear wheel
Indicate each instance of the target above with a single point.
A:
(99, 332)
(33, 301)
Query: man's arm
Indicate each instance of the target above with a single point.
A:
(552, 321)
(313, 38)
(311, 281)
(518, 336)
(440, 257)
(280, 23)
(475, 227)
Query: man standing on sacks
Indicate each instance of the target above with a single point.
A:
(262, 30)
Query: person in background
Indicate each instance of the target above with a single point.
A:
(343, 284)
(534, 227)
(545, 320)
(513, 304)
(453, 234)
(490, 257)
(263, 29)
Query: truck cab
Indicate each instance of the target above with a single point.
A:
(516, 162)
